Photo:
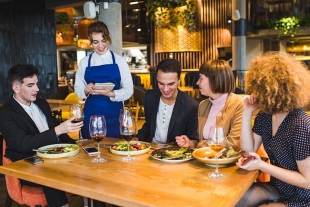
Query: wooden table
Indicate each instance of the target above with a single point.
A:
(145, 182)
(57, 104)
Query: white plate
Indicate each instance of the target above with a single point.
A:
(138, 152)
(99, 86)
(199, 155)
(168, 160)
(66, 154)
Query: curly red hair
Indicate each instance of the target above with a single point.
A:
(280, 82)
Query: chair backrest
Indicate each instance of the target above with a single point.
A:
(57, 115)
(153, 78)
(31, 196)
(12, 183)
(136, 80)
(191, 79)
(139, 94)
(73, 97)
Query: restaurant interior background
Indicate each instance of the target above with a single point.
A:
(29, 33)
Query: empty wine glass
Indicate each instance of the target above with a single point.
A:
(216, 143)
(127, 131)
(77, 110)
(97, 131)
(122, 112)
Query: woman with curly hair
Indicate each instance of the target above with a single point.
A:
(279, 86)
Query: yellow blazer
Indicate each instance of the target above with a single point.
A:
(231, 119)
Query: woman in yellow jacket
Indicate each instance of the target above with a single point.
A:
(223, 107)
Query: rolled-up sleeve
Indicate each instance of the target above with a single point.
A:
(80, 82)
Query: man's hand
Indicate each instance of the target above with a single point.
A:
(68, 126)
(184, 141)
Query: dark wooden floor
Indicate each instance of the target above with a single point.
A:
(74, 201)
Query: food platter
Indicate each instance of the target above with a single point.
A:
(203, 154)
(58, 150)
(124, 148)
(172, 154)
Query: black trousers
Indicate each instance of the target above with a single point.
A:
(54, 197)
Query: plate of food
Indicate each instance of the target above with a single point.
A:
(172, 154)
(136, 148)
(208, 156)
(58, 150)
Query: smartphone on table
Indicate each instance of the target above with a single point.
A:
(34, 160)
(91, 150)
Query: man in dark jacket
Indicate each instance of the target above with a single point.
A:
(27, 124)
(169, 112)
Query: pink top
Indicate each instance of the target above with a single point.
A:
(215, 110)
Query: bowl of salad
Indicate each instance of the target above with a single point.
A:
(135, 148)
(208, 156)
(58, 150)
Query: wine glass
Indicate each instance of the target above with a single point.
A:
(127, 130)
(122, 112)
(97, 131)
(216, 143)
(77, 110)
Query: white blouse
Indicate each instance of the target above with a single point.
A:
(126, 86)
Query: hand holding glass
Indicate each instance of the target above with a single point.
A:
(127, 131)
(97, 131)
(216, 141)
(77, 110)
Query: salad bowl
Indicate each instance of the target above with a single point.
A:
(136, 148)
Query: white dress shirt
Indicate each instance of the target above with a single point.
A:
(36, 115)
(162, 122)
(126, 86)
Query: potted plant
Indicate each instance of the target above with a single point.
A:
(287, 25)
(63, 19)
(171, 13)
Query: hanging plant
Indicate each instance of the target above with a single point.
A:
(171, 13)
(64, 19)
(287, 25)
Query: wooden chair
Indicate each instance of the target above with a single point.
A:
(139, 94)
(153, 78)
(57, 115)
(71, 97)
(191, 79)
(22, 194)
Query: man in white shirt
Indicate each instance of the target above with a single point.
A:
(169, 112)
(27, 124)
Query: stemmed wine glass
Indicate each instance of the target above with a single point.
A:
(127, 130)
(216, 141)
(77, 110)
(97, 131)
(122, 112)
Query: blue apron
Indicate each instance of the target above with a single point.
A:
(99, 104)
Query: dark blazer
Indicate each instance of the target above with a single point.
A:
(20, 132)
(184, 118)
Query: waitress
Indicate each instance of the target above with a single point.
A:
(102, 66)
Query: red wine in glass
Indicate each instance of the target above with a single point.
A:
(77, 120)
(128, 136)
(98, 137)
(97, 131)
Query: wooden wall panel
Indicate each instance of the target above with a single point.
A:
(215, 32)
(27, 36)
